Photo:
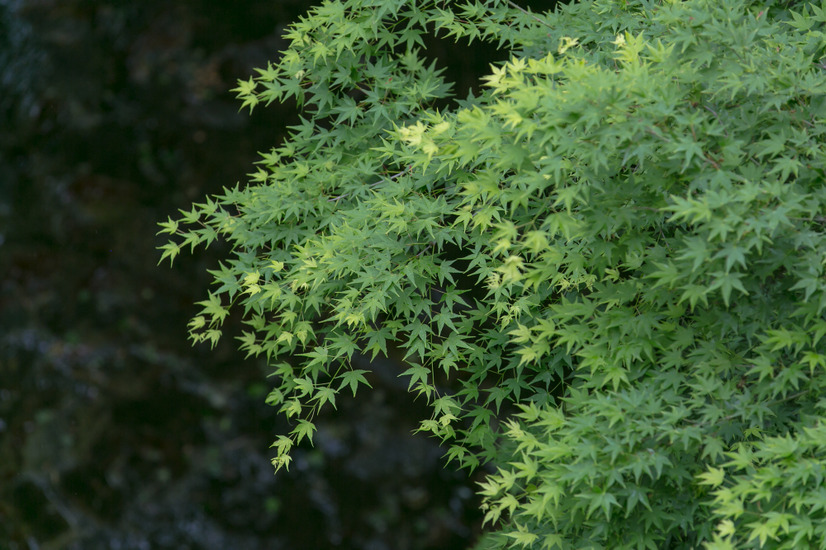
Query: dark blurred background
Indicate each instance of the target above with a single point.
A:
(115, 433)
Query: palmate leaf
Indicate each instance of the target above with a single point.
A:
(304, 429)
(353, 378)
(713, 477)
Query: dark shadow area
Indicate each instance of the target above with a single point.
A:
(114, 431)
(465, 62)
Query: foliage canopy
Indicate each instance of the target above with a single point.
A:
(605, 272)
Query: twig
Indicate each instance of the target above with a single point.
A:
(529, 14)
(372, 186)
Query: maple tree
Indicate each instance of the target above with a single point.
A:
(605, 271)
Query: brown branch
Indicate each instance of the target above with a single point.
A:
(529, 14)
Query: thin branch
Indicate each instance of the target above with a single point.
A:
(372, 186)
(656, 135)
(529, 14)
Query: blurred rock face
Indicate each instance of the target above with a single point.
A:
(114, 432)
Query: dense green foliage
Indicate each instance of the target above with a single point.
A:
(605, 273)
